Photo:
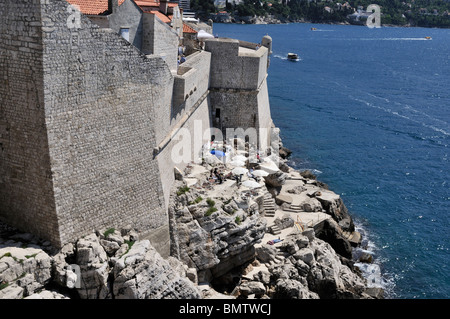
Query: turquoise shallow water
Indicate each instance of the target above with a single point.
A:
(369, 111)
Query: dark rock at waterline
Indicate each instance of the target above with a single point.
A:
(330, 232)
(284, 152)
(334, 206)
(308, 174)
(284, 167)
(364, 256)
(375, 292)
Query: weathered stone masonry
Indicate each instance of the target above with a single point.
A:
(190, 111)
(89, 123)
(238, 85)
(77, 148)
(25, 175)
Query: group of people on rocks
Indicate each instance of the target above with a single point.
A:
(218, 176)
(215, 174)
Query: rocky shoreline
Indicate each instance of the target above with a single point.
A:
(290, 238)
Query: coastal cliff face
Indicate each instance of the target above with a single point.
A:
(221, 242)
(312, 262)
(214, 235)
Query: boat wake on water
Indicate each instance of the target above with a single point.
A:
(395, 39)
(410, 114)
(321, 30)
(284, 57)
(400, 110)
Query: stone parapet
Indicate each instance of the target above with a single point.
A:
(191, 81)
(236, 64)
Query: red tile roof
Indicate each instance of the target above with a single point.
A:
(147, 3)
(161, 16)
(188, 29)
(92, 6)
(96, 7)
(153, 3)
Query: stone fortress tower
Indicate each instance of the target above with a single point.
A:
(238, 86)
(88, 122)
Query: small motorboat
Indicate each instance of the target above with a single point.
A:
(313, 29)
(428, 38)
(293, 57)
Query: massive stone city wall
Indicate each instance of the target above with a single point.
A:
(102, 93)
(191, 83)
(26, 189)
(97, 94)
(91, 128)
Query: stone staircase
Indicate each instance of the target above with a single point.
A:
(269, 211)
(294, 208)
(275, 230)
(269, 205)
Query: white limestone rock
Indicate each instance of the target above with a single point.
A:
(330, 278)
(262, 276)
(94, 268)
(306, 255)
(266, 253)
(143, 274)
(28, 268)
(252, 287)
(60, 265)
(276, 179)
(47, 294)
(12, 292)
(293, 289)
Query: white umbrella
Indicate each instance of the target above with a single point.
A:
(203, 35)
(260, 172)
(236, 163)
(251, 184)
(239, 170)
(240, 158)
(190, 20)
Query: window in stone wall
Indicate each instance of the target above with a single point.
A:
(125, 33)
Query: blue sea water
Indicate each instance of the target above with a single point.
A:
(368, 110)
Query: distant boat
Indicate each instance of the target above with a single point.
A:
(428, 38)
(292, 57)
(313, 29)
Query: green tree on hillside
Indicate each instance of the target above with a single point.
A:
(427, 13)
(204, 7)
